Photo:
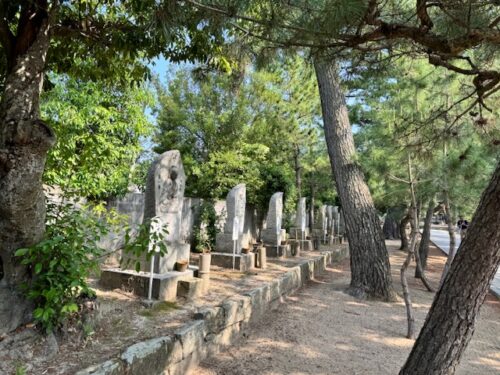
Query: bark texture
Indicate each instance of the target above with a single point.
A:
(449, 325)
(425, 239)
(451, 233)
(405, 243)
(370, 268)
(24, 142)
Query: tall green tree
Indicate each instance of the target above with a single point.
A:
(115, 40)
(251, 132)
(100, 128)
(459, 36)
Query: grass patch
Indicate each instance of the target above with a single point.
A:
(158, 308)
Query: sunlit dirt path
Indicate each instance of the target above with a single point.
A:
(321, 330)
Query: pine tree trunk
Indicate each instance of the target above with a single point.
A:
(423, 249)
(449, 325)
(24, 142)
(451, 233)
(370, 268)
(298, 171)
(402, 233)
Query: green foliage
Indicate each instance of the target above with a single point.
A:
(62, 261)
(114, 40)
(99, 130)
(69, 253)
(414, 116)
(137, 246)
(205, 230)
(245, 128)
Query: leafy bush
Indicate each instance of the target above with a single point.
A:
(206, 229)
(69, 253)
(137, 246)
(62, 261)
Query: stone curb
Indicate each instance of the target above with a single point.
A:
(212, 328)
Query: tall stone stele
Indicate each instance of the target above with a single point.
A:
(274, 219)
(164, 200)
(235, 209)
(301, 213)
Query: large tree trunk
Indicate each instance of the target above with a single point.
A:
(423, 249)
(24, 142)
(370, 268)
(450, 322)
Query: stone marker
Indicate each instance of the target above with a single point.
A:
(274, 217)
(235, 208)
(301, 213)
(164, 199)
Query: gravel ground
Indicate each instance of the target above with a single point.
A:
(321, 330)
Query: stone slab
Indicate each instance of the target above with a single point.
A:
(282, 251)
(243, 262)
(164, 285)
(192, 288)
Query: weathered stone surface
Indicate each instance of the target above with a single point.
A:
(111, 367)
(191, 336)
(243, 262)
(164, 200)
(301, 213)
(192, 288)
(164, 285)
(148, 357)
(273, 220)
(235, 208)
(283, 251)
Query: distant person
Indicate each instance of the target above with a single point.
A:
(462, 225)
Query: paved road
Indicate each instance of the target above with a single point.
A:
(442, 240)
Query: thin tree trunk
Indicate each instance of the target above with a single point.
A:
(370, 268)
(311, 211)
(402, 232)
(298, 170)
(423, 249)
(412, 213)
(404, 283)
(451, 233)
(450, 323)
(24, 142)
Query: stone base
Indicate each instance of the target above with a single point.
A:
(282, 251)
(164, 264)
(296, 233)
(192, 288)
(224, 243)
(242, 262)
(304, 245)
(164, 285)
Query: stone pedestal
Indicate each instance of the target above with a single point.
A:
(295, 233)
(242, 262)
(192, 288)
(304, 245)
(164, 285)
(282, 251)
(225, 243)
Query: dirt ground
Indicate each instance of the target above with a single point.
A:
(123, 321)
(321, 330)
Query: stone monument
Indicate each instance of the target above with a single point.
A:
(233, 232)
(272, 235)
(300, 232)
(164, 201)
